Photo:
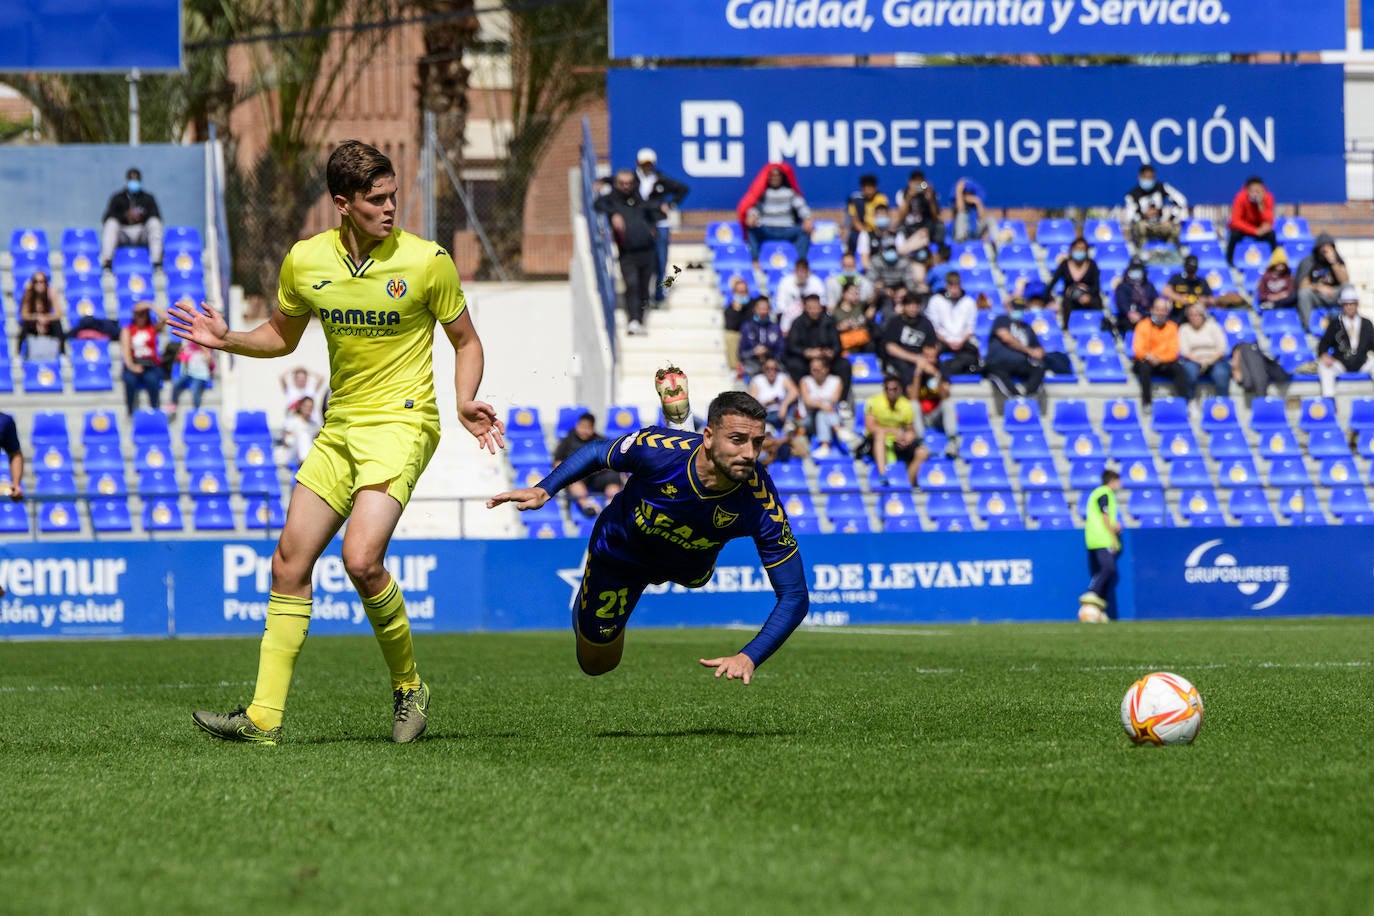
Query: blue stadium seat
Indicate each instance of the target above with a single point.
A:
(1292, 229)
(1219, 414)
(151, 426)
(1228, 445)
(521, 422)
(1288, 472)
(799, 506)
(1279, 443)
(260, 481)
(988, 474)
(53, 457)
(938, 475)
(1159, 274)
(946, 503)
(209, 482)
(1280, 321)
(131, 260)
(1268, 413)
(1028, 446)
(100, 426)
(1178, 444)
(732, 260)
(1357, 518)
(898, 504)
(1021, 415)
(824, 258)
(1070, 417)
(1043, 504)
(1147, 502)
(1247, 501)
(777, 257)
(972, 417)
(1004, 232)
(894, 480)
(824, 231)
(162, 514)
(845, 504)
(1120, 413)
(187, 291)
(212, 513)
(1189, 472)
(567, 419)
(54, 483)
(1087, 323)
(1294, 501)
(110, 514)
(266, 512)
(866, 368)
(108, 482)
(970, 255)
(1238, 472)
(1296, 250)
(789, 477)
(1050, 232)
(1348, 499)
(621, 419)
(1328, 442)
(1112, 256)
(1139, 473)
(1195, 230)
(181, 238)
(1237, 326)
(1200, 502)
(1017, 256)
(903, 524)
(1170, 414)
(1252, 253)
(997, 503)
(201, 426)
(161, 482)
(42, 376)
(978, 445)
(1220, 281)
(854, 524)
(528, 475)
(527, 450)
(1338, 472)
(1039, 475)
(544, 523)
(1129, 443)
(724, 232)
(91, 366)
(1292, 350)
(1209, 254)
(1006, 522)
(26, 264)
(1317, 413)
(103, 456)
(153, 456)
(1104, 369)
(1086, 473)
(75, 241)
(58, 518)
(6, 367)
(953, 522)
(1098, 231)
(836, 476)
(87, 302)
(50, 428)
(251, 425)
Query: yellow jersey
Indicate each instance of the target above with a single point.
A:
(378, 318)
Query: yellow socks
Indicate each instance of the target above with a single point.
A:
(387, 613)
(288, 619)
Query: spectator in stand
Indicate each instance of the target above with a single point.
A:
(738, 310)
(890, 431)
(1252, 217)
(859, 210)
(918, 220)
(966, 204)
(197, 367)
(604, 482)
(1202, 351)
(299, 383)
(907, 344)
(882, 251)
(814, 336)
(635, 227)
(1277, 287)
(821, 395)
(299, 430)
(848, 272)
(131, 219)
(1156, 353)
(1133, 297)
(795, 287)
(773, 209)
(142, 357)
(665, 194)
(778, 394)
(1346, 344)
(1186, 288)
(854, 319)
(953, 313)
(1081, 281)
(760, 339)
(1154, 209)
(1014, 352)
(40, 321)
(1320, 277)
(14, 451)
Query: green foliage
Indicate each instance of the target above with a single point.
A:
(974, 769)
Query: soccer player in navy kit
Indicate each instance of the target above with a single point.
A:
(688, 494)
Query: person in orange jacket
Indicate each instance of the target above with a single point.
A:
(1156, 353)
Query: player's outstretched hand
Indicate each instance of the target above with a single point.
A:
(530, 498)
(736, 666)
(203, 325)
(480, 419)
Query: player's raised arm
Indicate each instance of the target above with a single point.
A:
(789, 585)
(277, 336)
(524, 499)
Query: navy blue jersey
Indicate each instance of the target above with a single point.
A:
(9, 435)
(667, 525)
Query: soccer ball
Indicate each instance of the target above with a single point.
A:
(1088, 613)
(1161, 708)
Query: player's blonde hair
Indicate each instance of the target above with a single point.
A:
(354, 167)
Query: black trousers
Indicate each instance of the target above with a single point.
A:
(1172, 371)
(1233, 238)
(1102, 568)
(1007, 369)
(638, 268)
(799, 367)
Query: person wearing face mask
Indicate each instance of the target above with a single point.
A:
(1252, 217)
(737, 312)
(1133, 297)
(966, 203)
(1081, 279)
(882, 248)
(848, 273)
(1320, 277)
(760, 338)
(1014, 352)
(131, 219)
(1186, 288)
(1277, 287)
(859, 209)
(1154, 209)
(795, 287)
(1156, 354)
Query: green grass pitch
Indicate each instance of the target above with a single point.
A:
(969, 769)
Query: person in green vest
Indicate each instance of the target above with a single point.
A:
(1102, 534)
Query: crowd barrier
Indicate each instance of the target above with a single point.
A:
(196, 588)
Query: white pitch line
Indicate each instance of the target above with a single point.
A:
(1208, 667)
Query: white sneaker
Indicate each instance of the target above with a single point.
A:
(635, 328)
(821, 453)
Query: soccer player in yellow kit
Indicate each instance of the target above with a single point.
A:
(378, 292)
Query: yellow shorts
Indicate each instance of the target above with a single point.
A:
(351, 454)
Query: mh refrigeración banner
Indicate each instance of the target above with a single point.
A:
(770, 28)
(1031, 136)
(90, 35)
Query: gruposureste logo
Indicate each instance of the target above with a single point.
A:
(1223, 568)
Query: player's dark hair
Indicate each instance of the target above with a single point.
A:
(740, 403)
(1108, 476)
(354, 167)
(870, 180)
